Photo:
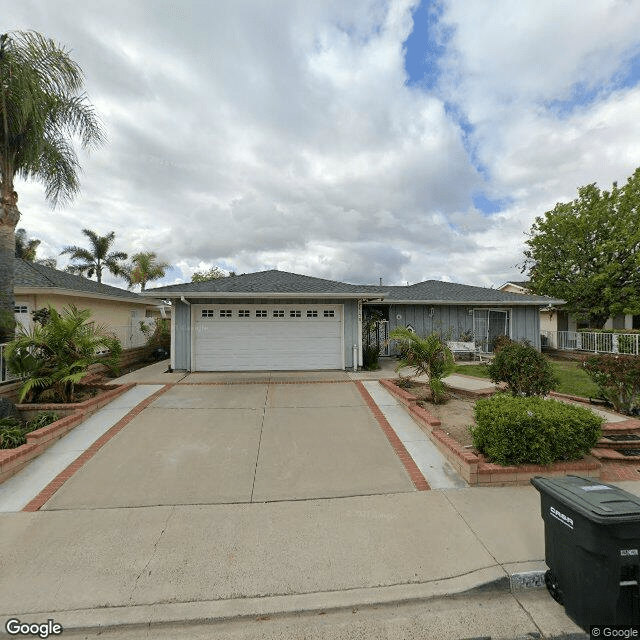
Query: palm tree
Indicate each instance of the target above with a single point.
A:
(98, 257)
(26, 247)
(145, 267)
(42, 109)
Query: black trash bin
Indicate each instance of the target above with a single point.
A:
(592, 541)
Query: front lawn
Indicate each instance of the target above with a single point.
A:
(573, 379)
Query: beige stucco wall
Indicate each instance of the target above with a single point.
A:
(110, 313)
(510, 288)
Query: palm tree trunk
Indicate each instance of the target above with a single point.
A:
(9, 216)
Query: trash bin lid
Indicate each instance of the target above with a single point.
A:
(595, 500)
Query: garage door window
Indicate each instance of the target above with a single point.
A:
(295, 313)
(244, 313)
(329, 313)
(261, 313)
(312, 313)
(207, 313)
(278, 313)
(226, 313)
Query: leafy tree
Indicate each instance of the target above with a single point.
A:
(98, 257)
(145, 267)
(429, 356)
(55, 356)
(42, 109)
(213, 274)
(587, 252)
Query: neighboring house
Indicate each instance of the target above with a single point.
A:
(118, 310)
(286, 321)
(555, 319)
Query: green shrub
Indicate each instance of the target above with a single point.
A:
(11, 433)
(429, 356)
(526, 371)
(501, 341)
(618, 379)
(370, 356)
(42, 419)
(54, 357)
(512, 431)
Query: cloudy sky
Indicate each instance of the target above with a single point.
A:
(359, 140)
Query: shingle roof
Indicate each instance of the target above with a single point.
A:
(438, 291)
(283, 282)
(37, 276)
(262, 282)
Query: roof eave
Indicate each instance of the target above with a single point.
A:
(25, 291)
(480, 303)
(264, 294)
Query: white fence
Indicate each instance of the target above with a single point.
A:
(624, 343)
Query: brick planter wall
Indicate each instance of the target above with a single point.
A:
(472, 466)
(13, 460)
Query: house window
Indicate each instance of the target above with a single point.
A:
(278, 313)
(244, 313)
(20, 309)
(261, 313)
(295, 313)
(312, 313)
(226, 313)
(207, 313)
(329, 313)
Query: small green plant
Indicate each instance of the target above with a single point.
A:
(11, 433)
(370, 357)
(618, 379)
(526, 371)
(42, 419)
(161, 336)
(429, 356)
(515, 430)
(54, 357)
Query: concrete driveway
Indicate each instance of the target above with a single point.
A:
(212, 443)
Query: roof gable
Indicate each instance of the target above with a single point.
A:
(263, 282)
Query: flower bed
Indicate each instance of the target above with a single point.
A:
(472, 466)
(13, 460)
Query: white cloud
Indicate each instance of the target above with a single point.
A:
(257, 135)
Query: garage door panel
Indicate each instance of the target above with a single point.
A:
(224, 340)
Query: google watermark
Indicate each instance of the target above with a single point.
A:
(15, 627)
(614, 631)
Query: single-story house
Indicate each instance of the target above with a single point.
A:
(285, 321)
(120, 311)
(557, 319)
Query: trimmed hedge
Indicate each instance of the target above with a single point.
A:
(515, 430)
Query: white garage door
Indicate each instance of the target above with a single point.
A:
(236, 337)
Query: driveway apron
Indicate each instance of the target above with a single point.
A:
(239, 443)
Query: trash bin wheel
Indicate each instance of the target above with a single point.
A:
(553, 587)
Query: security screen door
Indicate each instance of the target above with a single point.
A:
(488, 324)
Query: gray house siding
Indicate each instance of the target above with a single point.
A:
(445, 318)
(454, 320)
(183, 323)
(525, 325)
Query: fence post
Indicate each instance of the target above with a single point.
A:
(614, 342)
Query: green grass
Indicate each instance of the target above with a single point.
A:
(573, 380)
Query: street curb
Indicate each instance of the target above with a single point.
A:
(214, 611)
